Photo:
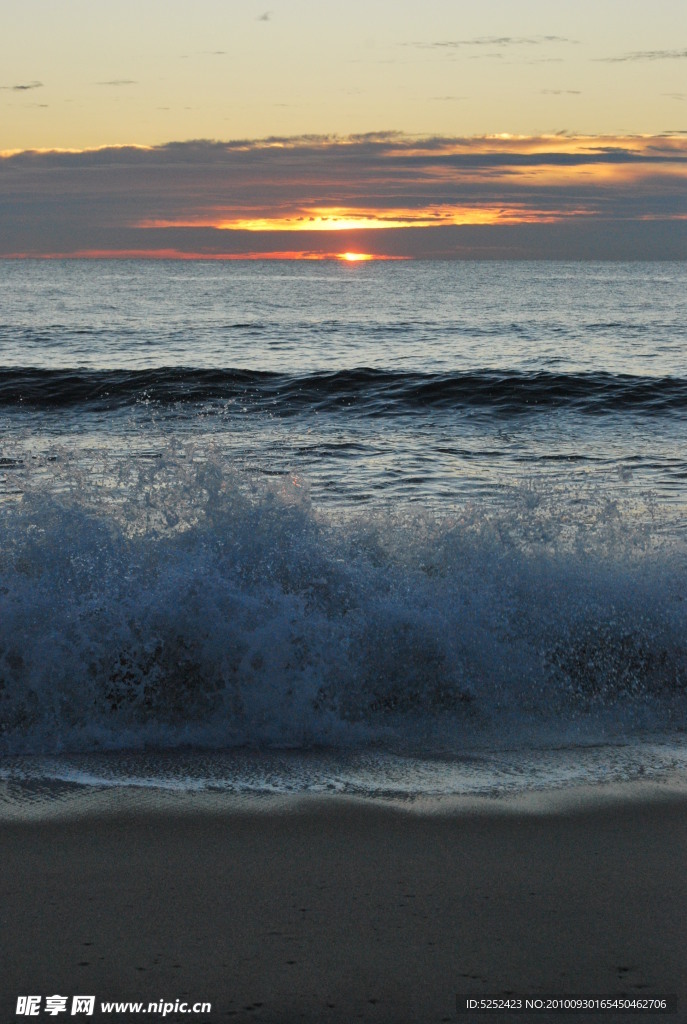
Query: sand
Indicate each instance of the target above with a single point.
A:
(330, 910)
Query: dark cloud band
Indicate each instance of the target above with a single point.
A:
(197, 196)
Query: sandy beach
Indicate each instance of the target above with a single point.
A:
(332, 910)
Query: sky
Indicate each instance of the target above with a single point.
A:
(291, 127)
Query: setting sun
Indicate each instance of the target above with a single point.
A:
(355, 257)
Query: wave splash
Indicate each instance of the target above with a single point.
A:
(183, 603)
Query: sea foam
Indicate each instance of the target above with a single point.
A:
(180, 602)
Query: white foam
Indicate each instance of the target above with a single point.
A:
(178, 602)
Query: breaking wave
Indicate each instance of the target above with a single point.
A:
(183, 603)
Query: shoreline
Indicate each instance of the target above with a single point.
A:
(337, 909)
(56, 799)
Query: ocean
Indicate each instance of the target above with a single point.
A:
(387, 528)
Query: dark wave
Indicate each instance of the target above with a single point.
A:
(368, 391)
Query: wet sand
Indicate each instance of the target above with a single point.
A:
(329, 910)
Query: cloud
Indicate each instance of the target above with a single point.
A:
(415, 196)
(267, 16)
(118, 81)
(454, 44)
(560, 92)
(482, 47)
(646, 55)
(22, 87)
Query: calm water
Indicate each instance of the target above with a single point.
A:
(420, 508)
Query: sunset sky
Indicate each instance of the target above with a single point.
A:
(228, 127)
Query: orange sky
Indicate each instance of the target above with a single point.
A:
(382, 127)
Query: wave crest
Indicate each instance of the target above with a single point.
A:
(369, 391)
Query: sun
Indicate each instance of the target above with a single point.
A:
(355, 257)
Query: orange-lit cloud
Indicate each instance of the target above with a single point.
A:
(177, 254)
(379, 195)
(341, 219)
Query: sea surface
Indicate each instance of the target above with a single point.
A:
(382, 527)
